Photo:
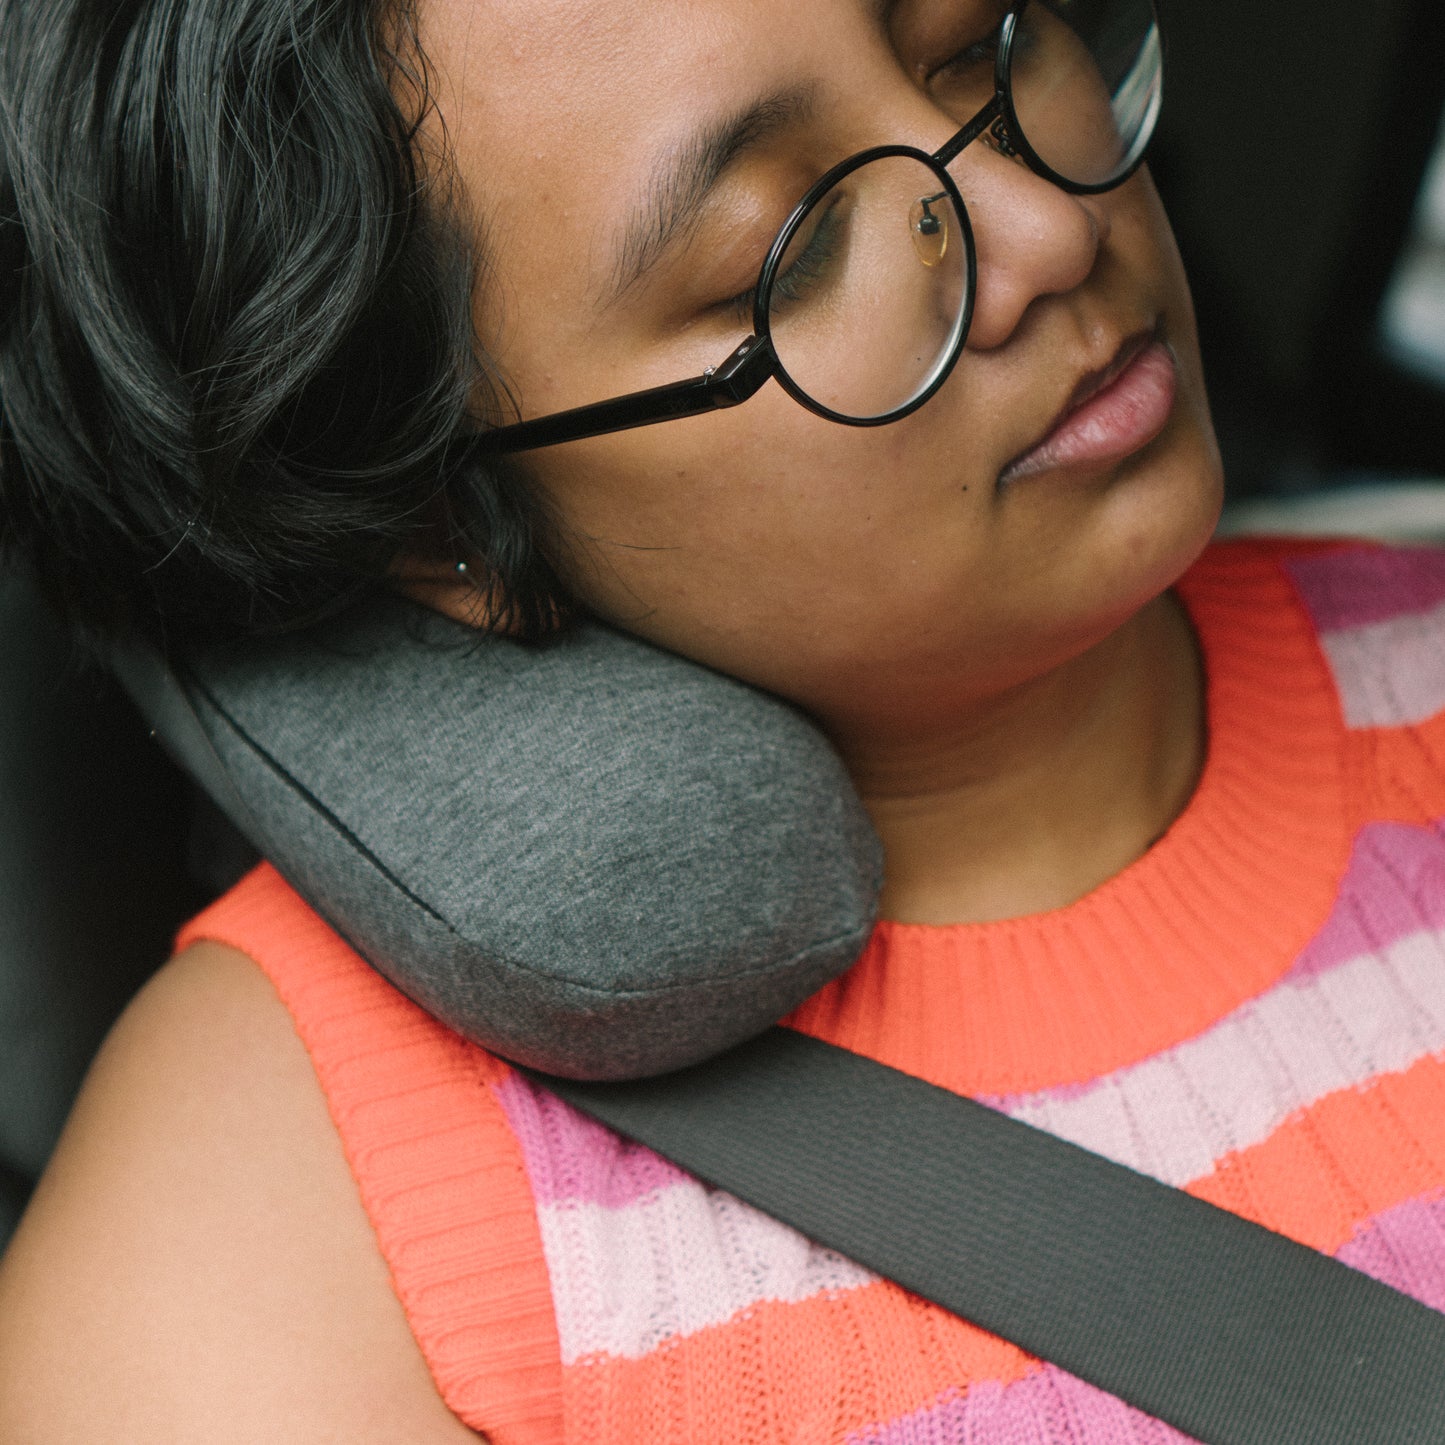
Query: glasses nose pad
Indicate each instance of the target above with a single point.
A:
(928, 226)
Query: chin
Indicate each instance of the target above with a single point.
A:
(1160, 514)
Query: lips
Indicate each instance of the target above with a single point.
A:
(1113, 412)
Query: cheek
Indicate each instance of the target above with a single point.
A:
(1151, 253)
(762, 523)
(817, 560)
(667, 520)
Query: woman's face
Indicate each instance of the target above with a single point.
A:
(896, 571)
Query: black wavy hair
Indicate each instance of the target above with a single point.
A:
(236, 340)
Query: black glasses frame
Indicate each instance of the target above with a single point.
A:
(754, 362)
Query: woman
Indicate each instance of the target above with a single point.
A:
(1186, 923)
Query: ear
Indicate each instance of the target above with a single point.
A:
(458, 590)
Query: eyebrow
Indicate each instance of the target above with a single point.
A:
(688, 175)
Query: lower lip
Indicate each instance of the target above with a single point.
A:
(1113, 424)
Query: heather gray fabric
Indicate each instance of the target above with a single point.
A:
(597, 859)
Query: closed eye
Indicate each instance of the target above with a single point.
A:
(981, 52)
(806, 270)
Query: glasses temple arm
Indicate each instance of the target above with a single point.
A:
(946, 153)
(735, 380)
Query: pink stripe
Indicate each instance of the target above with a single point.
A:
(1364, 585)
(1405, 1248)
(1048, 1407)
(570, 1157)
(1394, 886)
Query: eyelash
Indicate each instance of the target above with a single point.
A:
(980, 52)
(805, 266)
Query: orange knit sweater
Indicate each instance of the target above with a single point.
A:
(1253, 1011)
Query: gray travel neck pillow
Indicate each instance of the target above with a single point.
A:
(594, 858)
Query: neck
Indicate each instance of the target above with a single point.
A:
(1033, 799)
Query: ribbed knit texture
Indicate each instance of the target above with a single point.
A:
(1253, 1011)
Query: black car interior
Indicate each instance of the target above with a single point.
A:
(1296, 140)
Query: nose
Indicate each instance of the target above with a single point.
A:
(1032, 238)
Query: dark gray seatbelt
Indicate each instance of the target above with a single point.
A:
(1227, 1331)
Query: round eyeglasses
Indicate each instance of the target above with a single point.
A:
(863, 302)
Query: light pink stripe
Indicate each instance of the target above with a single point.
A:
(1176, 1114)
(1366, 996)
(625, 1281)
(1390, 674)
(1364, 585)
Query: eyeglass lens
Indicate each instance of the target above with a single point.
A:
(1085, 77)
(870, 296)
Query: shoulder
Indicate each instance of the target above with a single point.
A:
(196, 1263)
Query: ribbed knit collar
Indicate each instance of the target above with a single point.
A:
(1211, 915)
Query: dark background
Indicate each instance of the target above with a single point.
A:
(1290, 153)
(1294, 137)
